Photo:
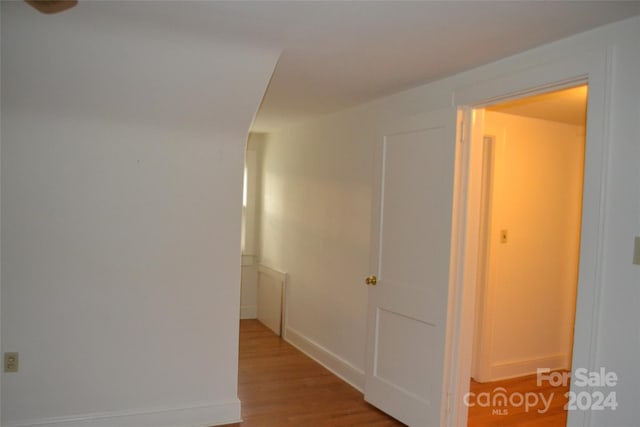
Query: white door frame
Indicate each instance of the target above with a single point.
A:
(592, 67)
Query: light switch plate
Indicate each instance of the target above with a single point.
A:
(636, 251)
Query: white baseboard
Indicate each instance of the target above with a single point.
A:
(249, 312)
(505, 370)
(196, 415)
(338, 366)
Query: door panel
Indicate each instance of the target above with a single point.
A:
(408, 305)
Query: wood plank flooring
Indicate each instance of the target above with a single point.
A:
(554, 415)
(281, 387)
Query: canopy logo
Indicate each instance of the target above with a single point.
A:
(597, 397)
(499, 400)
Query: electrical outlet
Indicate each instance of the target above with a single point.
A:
(11, 362)
(636, 251)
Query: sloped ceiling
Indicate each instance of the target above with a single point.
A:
(339, 54)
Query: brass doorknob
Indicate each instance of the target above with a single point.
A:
(371, 280)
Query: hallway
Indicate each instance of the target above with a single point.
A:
(281, 387)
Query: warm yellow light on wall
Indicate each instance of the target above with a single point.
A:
(565, 106)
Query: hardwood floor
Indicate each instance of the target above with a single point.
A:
(281, 387)
(546, 404)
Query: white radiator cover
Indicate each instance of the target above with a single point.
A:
(271, 292)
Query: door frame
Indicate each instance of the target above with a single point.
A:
(593, 68)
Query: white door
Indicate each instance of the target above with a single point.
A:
(407, 311)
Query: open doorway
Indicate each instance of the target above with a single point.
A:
(262, 288)
(249, 233)
(530, 207)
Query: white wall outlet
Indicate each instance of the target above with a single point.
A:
(636, 251)
(11, 362)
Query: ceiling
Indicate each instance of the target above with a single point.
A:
(565, 106)
(340, 54)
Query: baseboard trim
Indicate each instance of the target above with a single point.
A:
(518, 368)
(338, 366)
(195, 415)
(249, 312)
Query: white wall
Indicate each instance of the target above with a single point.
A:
(530, 289)
(122, 153)
(114, 83)
(317, 190)
(315, 223)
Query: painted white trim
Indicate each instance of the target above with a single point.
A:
(453, 383)
(554, 75)
(334, 363)
(249, 312)
(483, 327)
(194, 415)
(518, 368)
